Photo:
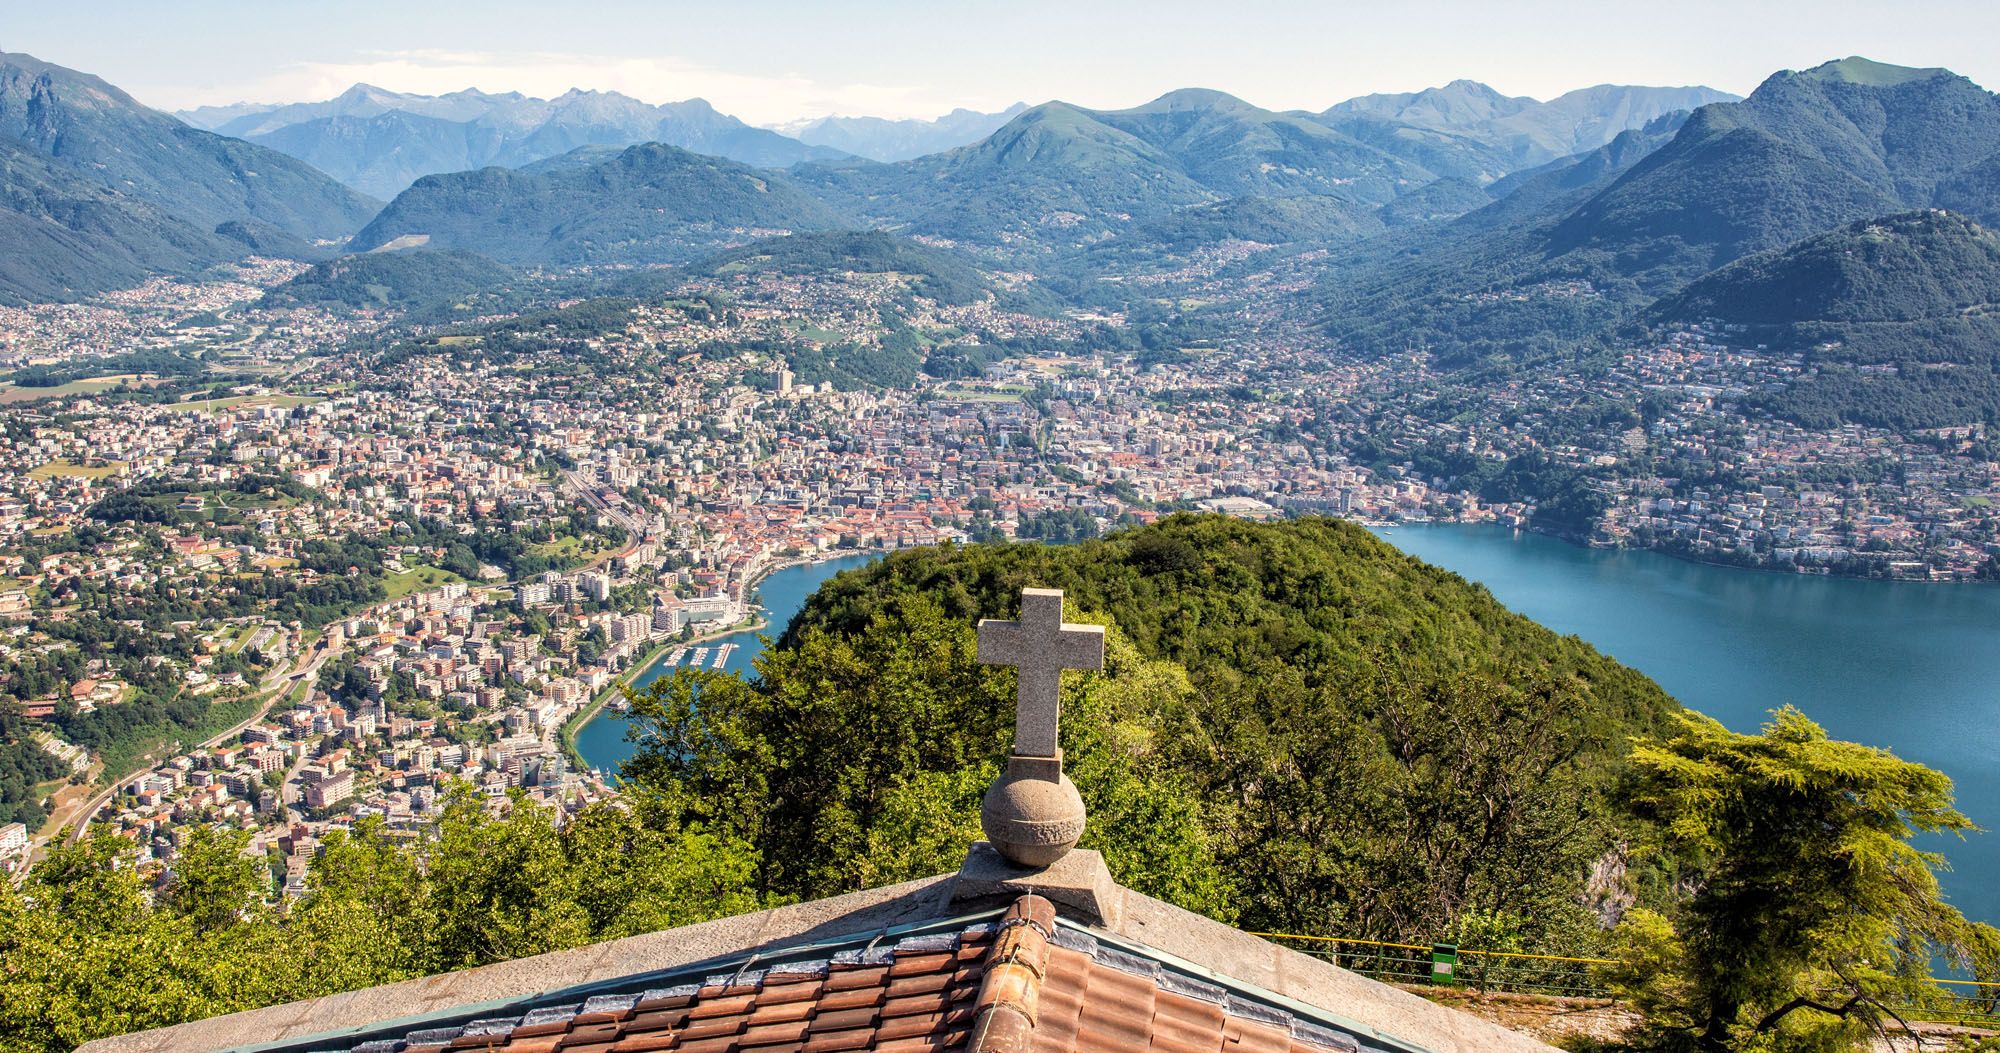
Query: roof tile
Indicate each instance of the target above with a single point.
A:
(1028, 984)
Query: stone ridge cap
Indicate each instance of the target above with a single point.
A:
(752, 968)
(1237, 998)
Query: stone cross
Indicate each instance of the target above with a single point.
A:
(1040, 646)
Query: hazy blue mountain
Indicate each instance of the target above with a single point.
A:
(85, 126)
(381, 141)
(881, 139)
(1449, 155)
(651, 203)
(1060, 176)
(1458, 105)
(210, 118)
(1515, 131)
(66, 236)
(1919, 291)
(246, 120)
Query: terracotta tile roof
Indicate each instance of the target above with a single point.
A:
(1019, 984)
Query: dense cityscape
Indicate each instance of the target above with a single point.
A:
(379, 570)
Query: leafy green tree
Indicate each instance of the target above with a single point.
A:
(83, 954)
(212, 883)
(1809, 915)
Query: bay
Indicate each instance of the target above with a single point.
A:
(601, 741)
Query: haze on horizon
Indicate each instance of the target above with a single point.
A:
(777, 60)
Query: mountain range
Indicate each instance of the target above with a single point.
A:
(1517, 131)
(1455, 218)
(1577, 248)
(380, 141)
(100, 191)
(880, 139)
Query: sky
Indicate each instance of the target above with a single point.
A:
(769, 61)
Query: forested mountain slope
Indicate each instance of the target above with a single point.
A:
(1300, 728)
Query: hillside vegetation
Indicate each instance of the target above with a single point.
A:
(413, 280)
(1299, 728)
(650, 204)
(1900, 317)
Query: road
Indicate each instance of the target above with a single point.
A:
(279, 685)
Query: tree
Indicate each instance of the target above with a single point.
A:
(212, 883)
(1807, 915)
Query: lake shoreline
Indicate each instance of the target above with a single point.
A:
(573, 728)
(1659, 550)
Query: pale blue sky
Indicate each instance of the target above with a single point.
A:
(771, 60)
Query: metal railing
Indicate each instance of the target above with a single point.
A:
(1444, 964)
(1950, 1001)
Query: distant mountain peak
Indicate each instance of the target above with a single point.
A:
(1194, 99)
(1867, 72)
(888, 141)
(1467, 86)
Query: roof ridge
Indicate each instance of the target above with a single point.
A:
(1010, 993)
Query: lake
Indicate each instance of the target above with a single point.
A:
(1912, 667)
(1909, 666)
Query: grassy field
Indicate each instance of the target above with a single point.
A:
(982, 394)
(824, 336)
(10, 393)
(571, 547)
(211, 405)
(416, 579)
(72, 470)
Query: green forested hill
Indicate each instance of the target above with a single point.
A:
(1909, 267)
(1899, 316)
(1569, 252)
(651, 203)
(412, 280)
(939, 274)
(66, 236)
(98, 192)
(1299, 728)
(80, 123)
(1805, 152)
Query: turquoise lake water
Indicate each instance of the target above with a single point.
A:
(602, 741)
(1912, 667)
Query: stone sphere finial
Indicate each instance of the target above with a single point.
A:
(1033, 814)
